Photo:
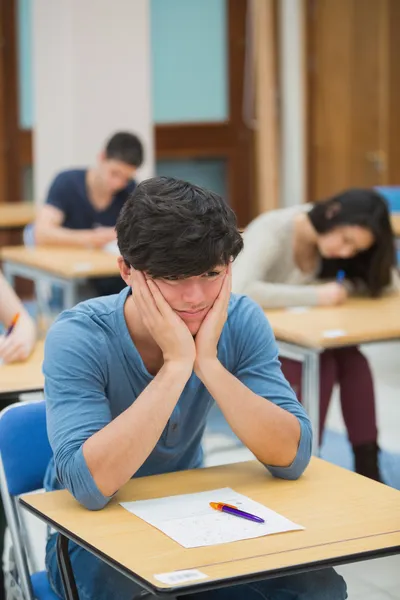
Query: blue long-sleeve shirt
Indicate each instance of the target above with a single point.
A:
(93, 373)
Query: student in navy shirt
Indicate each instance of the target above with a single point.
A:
(130, 378)
(83, 205)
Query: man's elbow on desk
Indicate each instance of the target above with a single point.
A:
(75, 476)
(302, 458)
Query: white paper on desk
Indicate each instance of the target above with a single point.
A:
(112, 248)
(189, 519)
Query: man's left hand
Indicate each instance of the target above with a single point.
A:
(207, 337)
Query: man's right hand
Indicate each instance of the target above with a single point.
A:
(101, 236)
(332, 294)
(165, 326)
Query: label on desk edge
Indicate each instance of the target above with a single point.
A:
(298, 310)
(333, 333)
(176, 577)
(82, 267)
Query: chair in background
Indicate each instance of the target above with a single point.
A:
(392, 197)
(391, 193)
(24, 455)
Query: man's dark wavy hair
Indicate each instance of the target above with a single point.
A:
(174, 229)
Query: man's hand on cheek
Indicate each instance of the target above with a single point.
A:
(166, 328)
(207, 337)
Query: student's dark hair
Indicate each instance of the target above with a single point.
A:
(366, 208)
(126, 147)
(172, 228)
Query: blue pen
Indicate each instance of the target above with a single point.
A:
(340, 276)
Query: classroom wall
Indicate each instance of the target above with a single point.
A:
(91, 76)
(188, 78)
(292, 102)
(189, 60)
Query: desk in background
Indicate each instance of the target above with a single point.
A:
(395, 218)
(366, 525)
(22, 377)
(65, 267)
(16, 214)
(303, 334)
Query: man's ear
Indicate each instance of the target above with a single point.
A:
(125, 270)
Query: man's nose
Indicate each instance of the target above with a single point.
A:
(192, 293)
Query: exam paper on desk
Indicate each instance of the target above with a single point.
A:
(189, 520)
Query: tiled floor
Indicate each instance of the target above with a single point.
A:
(373, 580)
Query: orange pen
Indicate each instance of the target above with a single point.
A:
(13, 324)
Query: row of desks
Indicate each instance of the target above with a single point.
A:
(19, 214)
(301, 335)
(16, 214)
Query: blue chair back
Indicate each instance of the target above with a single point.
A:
(24, 455)
(392, 196)
(24, 446)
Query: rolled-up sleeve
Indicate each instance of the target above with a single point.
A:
(75, 368)
(258, 367)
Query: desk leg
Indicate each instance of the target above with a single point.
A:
(64, 564)
(9, 273)
(310, 393)
(70, 290)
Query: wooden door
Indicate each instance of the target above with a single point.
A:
(351, 88)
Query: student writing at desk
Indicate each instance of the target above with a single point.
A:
(19, 342)
(82, 205)
(129, 379)
(286, 251)
(16, 343)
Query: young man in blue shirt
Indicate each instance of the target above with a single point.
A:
(83, 205)
(130, 378)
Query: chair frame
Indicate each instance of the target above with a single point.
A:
(23, 554)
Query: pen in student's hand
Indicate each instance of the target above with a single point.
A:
(233, 510)
(340, 275)
(13, 324)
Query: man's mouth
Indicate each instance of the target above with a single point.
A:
(192, 313)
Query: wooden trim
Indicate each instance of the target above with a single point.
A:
(180, 140)
(306, 95)
(3, 132)
(383, 89)
(25, 147)
(241, 157)
(309, 75)
(266, 141)
(8, 56)
(393, 166)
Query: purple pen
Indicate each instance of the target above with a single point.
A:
(233, 510)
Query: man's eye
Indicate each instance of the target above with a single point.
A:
(213, 274)
(172, 278)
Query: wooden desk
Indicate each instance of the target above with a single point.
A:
(26, 376)
(395, 218)
(66, 267)
(365, 525)
(16, 214)
(302, 335)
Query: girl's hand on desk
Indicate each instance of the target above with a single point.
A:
(332, 294)
(19, 344)
(166, 328)
(100, 236)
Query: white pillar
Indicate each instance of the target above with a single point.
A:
(91, 73)
(292, 102)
